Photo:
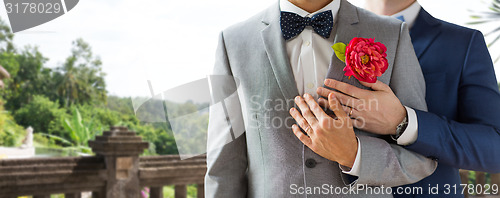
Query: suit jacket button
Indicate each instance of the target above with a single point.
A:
(433, 158)
(310, 163)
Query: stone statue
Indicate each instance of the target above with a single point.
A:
(28, 140)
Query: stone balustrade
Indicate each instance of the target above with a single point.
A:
(117, 171)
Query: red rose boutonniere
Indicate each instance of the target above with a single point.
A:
(365, 59)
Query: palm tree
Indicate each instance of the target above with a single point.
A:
(82, 77)
(492, 15)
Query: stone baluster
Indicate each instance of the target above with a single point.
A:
(121, 149)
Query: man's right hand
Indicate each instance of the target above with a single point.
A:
(378, 111)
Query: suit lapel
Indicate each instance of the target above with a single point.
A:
(424, 32)
(346, 21)
(276, 52)
(345, 30)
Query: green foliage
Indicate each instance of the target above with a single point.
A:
(40, 140)
(28, 77)
(159, 133)
(79, 80)
(41, 114)
(190, 122)
(120, 105)
(80, 132)
(101, 117)
(169, 191)
(6, 37)
(163, 142)
(9, 62)
(11, 134)
(82, 77)
(491, 16)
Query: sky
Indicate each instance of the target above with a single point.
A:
(167, 42)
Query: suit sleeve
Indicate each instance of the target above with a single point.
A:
(389, 164)
(472, 140)
(226, 142)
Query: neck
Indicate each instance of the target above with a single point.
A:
(311, 5)
(387, 7)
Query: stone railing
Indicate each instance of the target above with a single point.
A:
(116, 171)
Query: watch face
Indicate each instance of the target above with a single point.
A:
(401, 127)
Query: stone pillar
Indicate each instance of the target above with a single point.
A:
(121, 149)
(73, 195)
(156, 192)
(41, 196)
(180, 191)
(495, 180)
(464, 176)
(480, 180)
(200, 190)
(97, 194)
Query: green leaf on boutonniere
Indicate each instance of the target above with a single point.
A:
(339, 49)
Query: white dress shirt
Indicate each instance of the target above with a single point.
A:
(410, 14)
(309, 52)
(310, 56)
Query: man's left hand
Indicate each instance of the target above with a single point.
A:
(378, 111)
(332, 138)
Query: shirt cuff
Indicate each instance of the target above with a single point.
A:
(354, 171)
(410, 134)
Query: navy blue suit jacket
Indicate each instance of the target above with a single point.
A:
(461, 129)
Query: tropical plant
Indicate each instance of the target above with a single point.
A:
(80, 132)
(492, 15)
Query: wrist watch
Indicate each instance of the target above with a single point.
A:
(400, 129)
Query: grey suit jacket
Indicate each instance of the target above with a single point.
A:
(252, 151)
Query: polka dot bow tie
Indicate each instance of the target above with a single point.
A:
(292, 24)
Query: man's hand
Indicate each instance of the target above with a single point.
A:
(378, 111)
(333, 139)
